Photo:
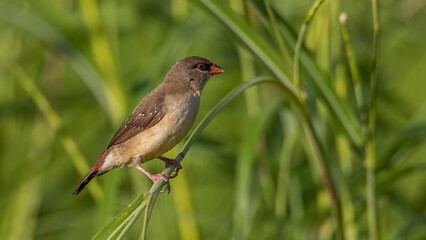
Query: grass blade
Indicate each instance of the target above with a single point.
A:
(124, 220)
(300, 38)
(148, 215)
(356, 79)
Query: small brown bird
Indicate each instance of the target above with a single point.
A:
(159, 122)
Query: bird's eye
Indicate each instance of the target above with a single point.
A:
(201, 66)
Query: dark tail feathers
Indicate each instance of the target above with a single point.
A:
(84, 182)
(92, 173)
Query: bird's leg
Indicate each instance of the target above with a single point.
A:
(174, 162)
(155, 177)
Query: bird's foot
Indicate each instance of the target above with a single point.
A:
(155, 177)
(169, 161)
(165, 178)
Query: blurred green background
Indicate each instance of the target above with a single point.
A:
(72, 71)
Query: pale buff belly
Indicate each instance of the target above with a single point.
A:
(157, 140)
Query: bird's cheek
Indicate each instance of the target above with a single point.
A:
(194, 86)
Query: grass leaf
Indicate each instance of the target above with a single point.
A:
(118, 227)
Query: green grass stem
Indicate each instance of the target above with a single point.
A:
(372, 211)
(147, 216)
(300, 38)
(356, 79)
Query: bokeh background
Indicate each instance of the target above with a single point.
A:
(72, 71)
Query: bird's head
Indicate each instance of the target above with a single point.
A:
(192, 73)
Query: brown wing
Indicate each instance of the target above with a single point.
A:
(148, 113)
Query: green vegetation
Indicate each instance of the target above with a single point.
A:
(315, 131)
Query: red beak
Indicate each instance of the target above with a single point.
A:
(215, 69)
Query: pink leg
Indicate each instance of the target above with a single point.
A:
(169, 161)
(155, 177)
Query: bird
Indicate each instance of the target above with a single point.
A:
(158, 123)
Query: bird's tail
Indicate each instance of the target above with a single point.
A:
(91, 174)
(84, 182)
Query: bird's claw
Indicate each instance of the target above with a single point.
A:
(169, 161)
(166, 189)
(165, 178)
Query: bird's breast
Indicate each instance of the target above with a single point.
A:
(179, 119)
(160, 138)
